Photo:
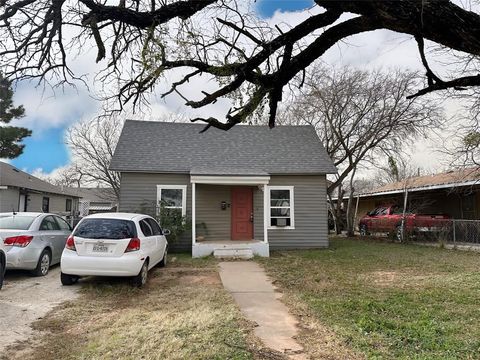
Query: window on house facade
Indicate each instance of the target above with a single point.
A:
(68, 205)
(172, 199)
(281, 206)
(46, 204)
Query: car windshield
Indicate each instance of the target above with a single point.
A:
(16, 222)
(113, 229)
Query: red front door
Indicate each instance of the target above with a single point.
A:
(242, 213)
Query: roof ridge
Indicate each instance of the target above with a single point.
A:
(200, 124)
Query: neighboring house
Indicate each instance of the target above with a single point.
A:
(95, 200)
(455, 193)
(20, 191)
(248, 189)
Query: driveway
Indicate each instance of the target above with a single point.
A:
(24, 299)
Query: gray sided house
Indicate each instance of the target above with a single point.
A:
(246, 190)
(20, 191)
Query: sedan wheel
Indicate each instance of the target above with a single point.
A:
(43, 264)
(141, 278)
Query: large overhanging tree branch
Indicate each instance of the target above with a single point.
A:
(142, 41)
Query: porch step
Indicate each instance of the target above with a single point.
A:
(233, 253)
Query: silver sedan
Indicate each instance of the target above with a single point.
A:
(33, 241)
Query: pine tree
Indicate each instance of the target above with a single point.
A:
(10, 136)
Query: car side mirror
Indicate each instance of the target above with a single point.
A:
(166, 232)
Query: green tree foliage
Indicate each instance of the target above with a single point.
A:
(10, 136)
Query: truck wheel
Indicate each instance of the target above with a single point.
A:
(363, 230)
(399, 233)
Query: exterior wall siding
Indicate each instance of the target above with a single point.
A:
(140, 189)
(138, 193)
(258, 214)
(212, 222)
(57, 203)
(310, 212)
(9, 200)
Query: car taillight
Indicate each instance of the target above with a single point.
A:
(70, 244)
(133, 245)
(20, 241)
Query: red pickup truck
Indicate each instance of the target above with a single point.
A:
(389, 219)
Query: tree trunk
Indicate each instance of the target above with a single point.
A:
(350, 215)
(337, 211)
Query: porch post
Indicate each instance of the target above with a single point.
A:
(193, 214)
(266, 209)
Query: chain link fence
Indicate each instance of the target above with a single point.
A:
(430, 230)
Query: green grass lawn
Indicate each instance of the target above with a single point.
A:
(383, 300)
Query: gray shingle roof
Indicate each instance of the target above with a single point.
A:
(147, 146)
(11, 176)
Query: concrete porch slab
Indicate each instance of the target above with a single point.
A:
(207, 248)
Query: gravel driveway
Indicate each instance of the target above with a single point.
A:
(24, 299)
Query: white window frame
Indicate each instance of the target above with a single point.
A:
(292, 207)
(174, 187)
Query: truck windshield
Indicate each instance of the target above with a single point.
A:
(397, 209)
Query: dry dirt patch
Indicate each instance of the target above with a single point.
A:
(25, 299)
(180, 314)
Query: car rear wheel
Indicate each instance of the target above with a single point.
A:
(163, 263)
(43, 264)
(141, 278)
(2, 272)
(363, 230)
(68, 279)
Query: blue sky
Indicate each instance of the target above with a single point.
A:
(46, 149)
(267, 8)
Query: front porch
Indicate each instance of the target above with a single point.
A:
(227, 213)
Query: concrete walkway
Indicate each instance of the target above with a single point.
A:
(257, 299)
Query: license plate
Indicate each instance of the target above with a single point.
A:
(100, 248)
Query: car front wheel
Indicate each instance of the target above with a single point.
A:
(43, 264)
(141, 278)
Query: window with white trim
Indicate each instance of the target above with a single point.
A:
(172, 198)
(281, 213)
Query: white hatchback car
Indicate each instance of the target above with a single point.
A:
(114, 244)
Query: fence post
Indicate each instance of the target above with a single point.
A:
(454, 233)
